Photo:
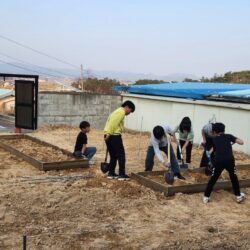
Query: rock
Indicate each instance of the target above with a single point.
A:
(212, 230)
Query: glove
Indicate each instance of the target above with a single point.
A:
(208, 155)
(166, 164)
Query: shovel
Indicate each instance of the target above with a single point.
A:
(182, 165)
(209, 168)
(105, 164)
(169, 175)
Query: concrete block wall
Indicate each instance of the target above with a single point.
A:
(71, 108)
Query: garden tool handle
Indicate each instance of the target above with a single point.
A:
(169, 145)
(106, 155)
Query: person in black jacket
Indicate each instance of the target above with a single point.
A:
(223, 158)
(81, 150)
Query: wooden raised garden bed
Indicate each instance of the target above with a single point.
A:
(40, 154)
(195, 182)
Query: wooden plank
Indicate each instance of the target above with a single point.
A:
(194, 170)
(202, 170)
(150, 183)
(243, 166)
(15, 136)
(197, 188)
(25, 157)
(65, 165)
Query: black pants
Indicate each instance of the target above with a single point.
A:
(149, 162)
(188, 150)
(217, 170)
(204, 159)
(116, 152)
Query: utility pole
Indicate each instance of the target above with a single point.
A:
(82, 77)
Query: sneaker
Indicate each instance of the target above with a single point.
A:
(79, 156)
(179, 176)
(123, 177)
(112, 176)
(91, 162)
(240, 198)
(206, 199)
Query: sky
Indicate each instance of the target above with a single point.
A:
(142, 36)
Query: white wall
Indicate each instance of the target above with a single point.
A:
(155, 110)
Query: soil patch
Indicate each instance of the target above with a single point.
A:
(97, 213)
(38, 151)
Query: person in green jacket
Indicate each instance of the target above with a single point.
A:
(186, 136)
(113, 138)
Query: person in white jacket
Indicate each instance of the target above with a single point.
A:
(158, 142)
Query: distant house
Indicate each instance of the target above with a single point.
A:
(7, 101)
(8, 84)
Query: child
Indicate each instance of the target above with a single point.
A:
(81, 149)
(158, 142)
(186, 136)
(113, 138)
(223, 159)
(207, 137)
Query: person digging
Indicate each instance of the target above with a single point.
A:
(223, 159)
(158, 142)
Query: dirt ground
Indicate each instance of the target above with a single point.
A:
(96, 213)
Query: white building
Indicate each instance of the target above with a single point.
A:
(156, 110)
(7, 101)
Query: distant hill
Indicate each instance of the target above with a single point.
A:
(128, 76)
(235, 77)
(119, 75)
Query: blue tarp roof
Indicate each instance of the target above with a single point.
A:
(237, 93)
(6, 92)
(197, 91)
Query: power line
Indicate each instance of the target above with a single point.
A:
(37, 51)
(35, 65)
(44, 54)
(20, 67)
